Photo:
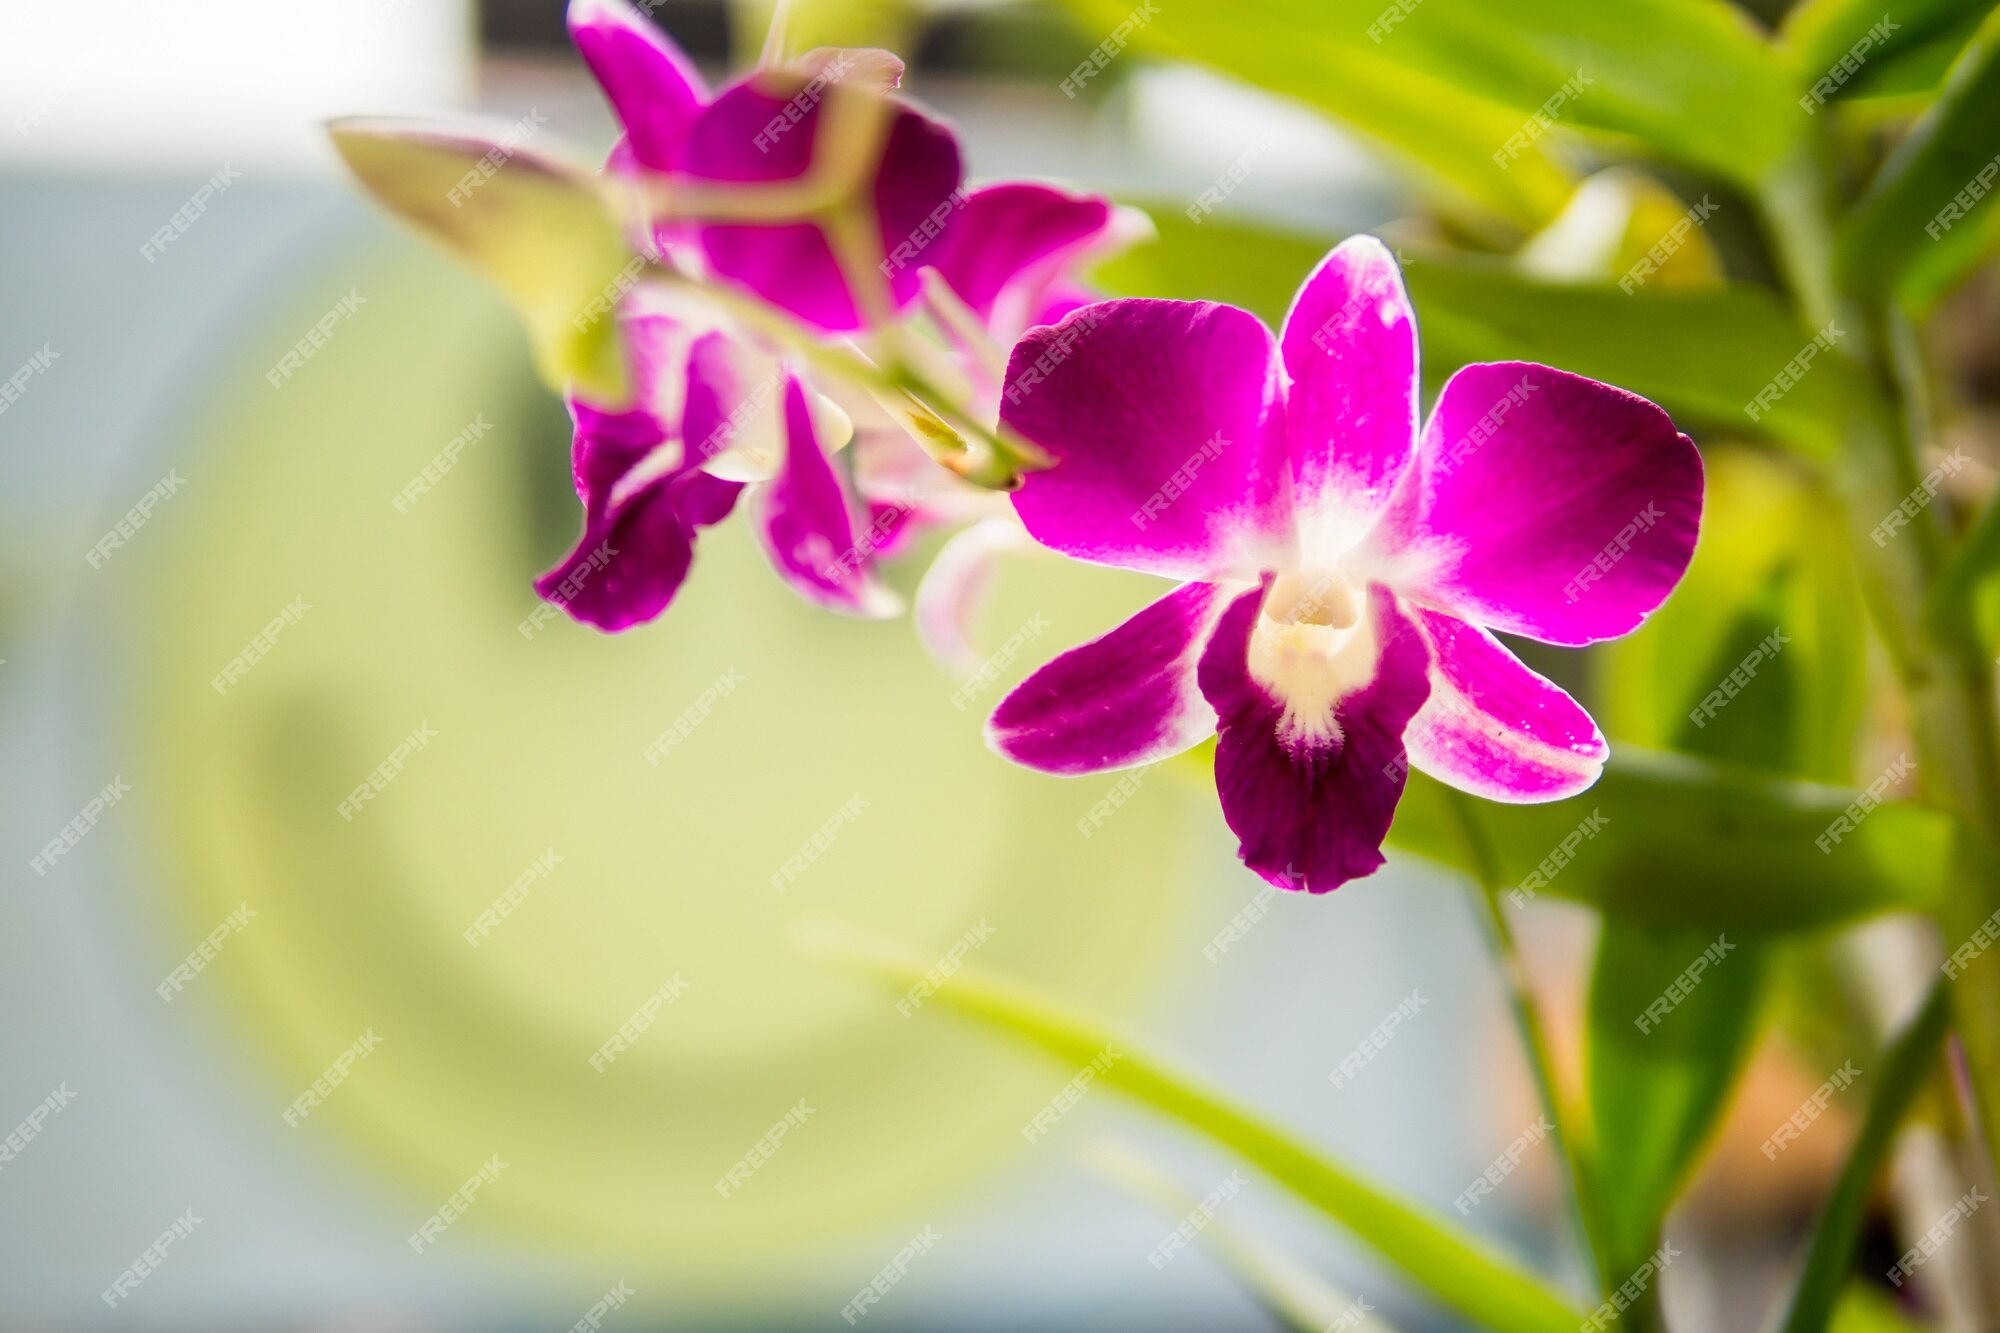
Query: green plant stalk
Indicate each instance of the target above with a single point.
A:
(1535, 1042)
(1897, 1083)
(1944, 672)
(1460, 1272)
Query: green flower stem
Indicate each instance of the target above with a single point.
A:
(1535, 1042)
(1459, 1271)
(1945, 674)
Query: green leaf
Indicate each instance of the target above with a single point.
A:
(536, 227)
(1926, 215)
(1682, 842)
(1457, 1270)
(1671, 1014)
(1822, 33)
(1649, 64)
(1466, 90)
(1701, 353)
(1901, 1074)
(1323, 57)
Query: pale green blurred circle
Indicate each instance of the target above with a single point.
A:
(665, 871)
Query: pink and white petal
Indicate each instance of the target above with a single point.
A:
(1496, 729)
(1013, 239)
(1543, 504)
(652, 86)
(1127, 698)
(1166, 421)
(734, 417)
(1311, 811)
(954, 589)
(1350, 348)
(863, 66)
(807, 528)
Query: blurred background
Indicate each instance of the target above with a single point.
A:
(162, 501)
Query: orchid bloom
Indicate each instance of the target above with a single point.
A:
(717, 410)
(1341, 572)
(762, 130)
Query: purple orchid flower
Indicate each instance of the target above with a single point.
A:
(1342, 572)
(763, 129)
(647, 477)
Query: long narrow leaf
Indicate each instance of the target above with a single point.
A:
(1902, 1071)
(1455, 1269)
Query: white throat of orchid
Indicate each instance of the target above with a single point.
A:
(1314, 644)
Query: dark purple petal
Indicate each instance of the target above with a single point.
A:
(1350, 348)
(1311, 805)
(1543, 504)
(652, 87)
(1127, 698)
(764, 129)
(1168, 430)
(1013, 241)
(807, 527)
(1496, 729)
(628, 566)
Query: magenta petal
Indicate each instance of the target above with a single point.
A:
(653, 89)
(1168, 432)
(1544, 504)
(807, 527)
(764, 130)
(1312, 814)
(1126, 698)
(1350, 348)
(1013, 242)
(1496, 729)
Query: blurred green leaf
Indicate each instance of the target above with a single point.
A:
(535, 227)
(1323, 56)
(1924, 217)
(1693, 81)
(1457, 1270)
(1900, 1074)
(1467, 90)
(1908, 77)
(1701, 353)
(1682, 842)
(1822, 33)
(1671, 1014)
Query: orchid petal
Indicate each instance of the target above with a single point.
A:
(1014, 240)
(1165, 421)
(765, 130)
(652, 86)
(955, 588)
(628, 566)
(807, 527)
(1127, 698)
(1496, 729)
(862, 66)
(1350, 349)
(1543, 504)
(1311, 811)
